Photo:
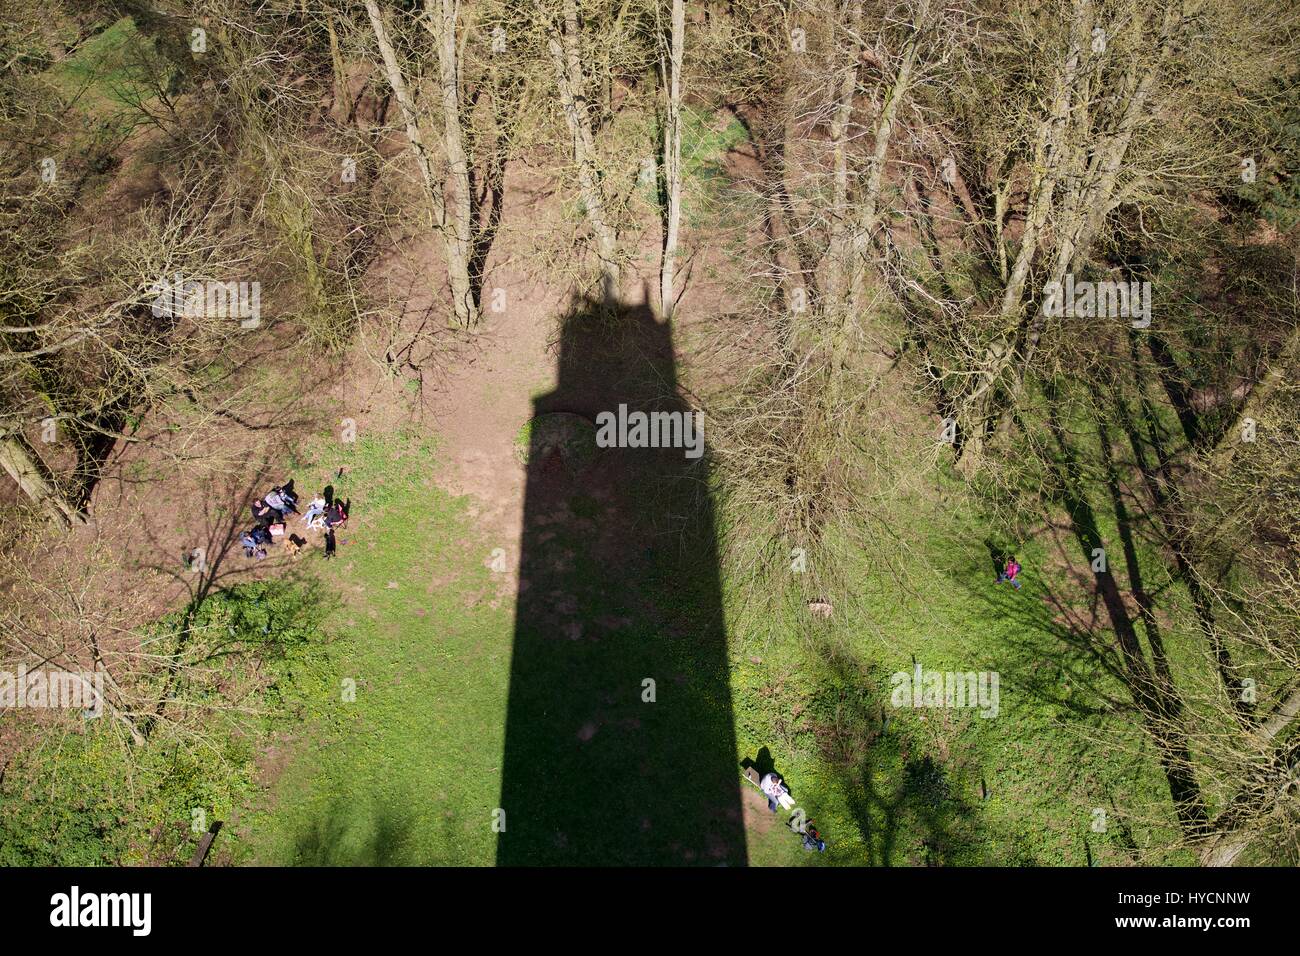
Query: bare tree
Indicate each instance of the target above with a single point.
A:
(452, 219)
(563, 43)
(671, 80)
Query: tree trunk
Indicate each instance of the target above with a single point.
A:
(24, 466)
(414, 135)
(454, 223)
(571, 84)
(839, 264)
(868, 213)
(1046, 172)
(458, 232)
(1230, 438)
(672, 159)
(1089, 170)
(1234, 824)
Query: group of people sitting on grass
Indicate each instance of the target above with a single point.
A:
(272, 510)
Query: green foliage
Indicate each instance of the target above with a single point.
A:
(707, 137)
(85, 797)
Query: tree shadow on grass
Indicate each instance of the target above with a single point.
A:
(356, 833)
(1053, 642)
(908, 806)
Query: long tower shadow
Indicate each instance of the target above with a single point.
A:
(620, 747)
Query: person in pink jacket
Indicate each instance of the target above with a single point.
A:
(1010, 573)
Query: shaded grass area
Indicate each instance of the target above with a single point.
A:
(101, 93)
(632, 696)
(409, 771)
(109, 72)
(707, 137)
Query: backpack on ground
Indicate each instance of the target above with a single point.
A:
(812, 840)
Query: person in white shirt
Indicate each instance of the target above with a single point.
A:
(315, 516)
(773, 789)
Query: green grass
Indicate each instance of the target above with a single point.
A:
(571, 436)
(409, 771)
(706, 140)
(107, 71)
(950, 786)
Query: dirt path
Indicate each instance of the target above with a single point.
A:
(483, 403)
(486, 397)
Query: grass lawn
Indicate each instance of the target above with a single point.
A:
(410, 772)
(941, 785)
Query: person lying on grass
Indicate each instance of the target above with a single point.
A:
(315, 515)
(282, 499)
